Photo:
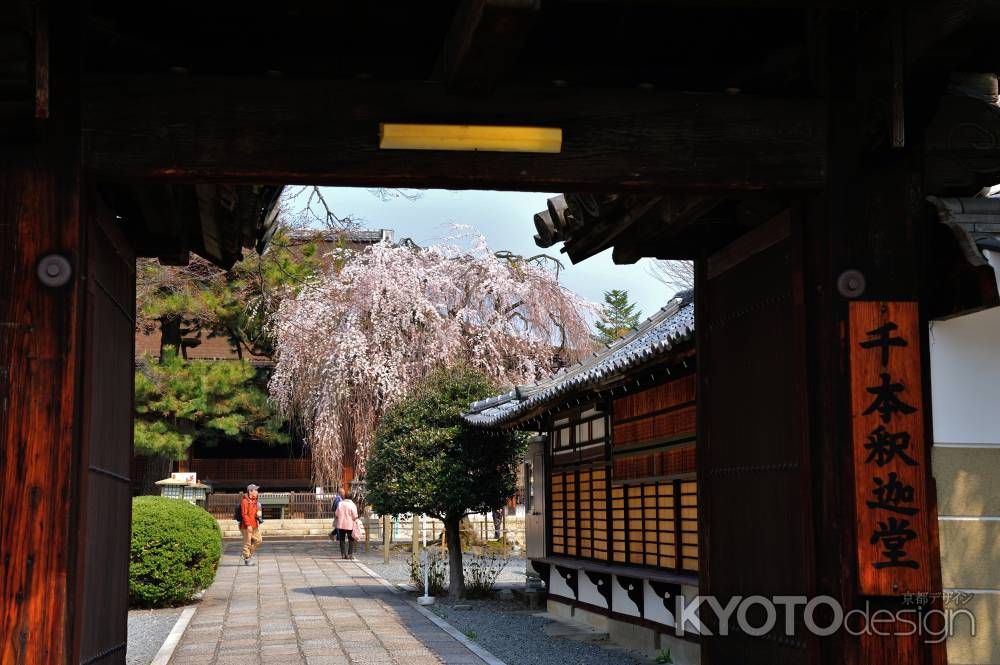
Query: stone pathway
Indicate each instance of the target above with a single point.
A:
(301, 604)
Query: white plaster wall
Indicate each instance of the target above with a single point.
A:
(655, 609)
(965, 392)
(589, 592)
(620, 602)
(558, 586)
(965, 376)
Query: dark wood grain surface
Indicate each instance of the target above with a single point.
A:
(39, 435)
(289, 131)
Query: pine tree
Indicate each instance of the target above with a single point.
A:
(189, 303)
(178, 402)
(214, 402)
(618, 316)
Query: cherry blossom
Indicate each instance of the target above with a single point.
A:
(370, 327)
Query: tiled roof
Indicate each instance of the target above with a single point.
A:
(646, 344)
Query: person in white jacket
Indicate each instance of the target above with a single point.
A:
(346, 516)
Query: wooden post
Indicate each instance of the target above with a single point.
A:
(503, 534)
(870, 218)
(386, 537)
(415, 536)
(40, 375)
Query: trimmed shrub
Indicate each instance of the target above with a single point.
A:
(176, 548)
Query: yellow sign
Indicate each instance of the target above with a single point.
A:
(489, 138)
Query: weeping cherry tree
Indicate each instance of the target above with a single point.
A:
(361, 336)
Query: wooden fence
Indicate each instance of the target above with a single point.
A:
(308, 505)
(277, 505)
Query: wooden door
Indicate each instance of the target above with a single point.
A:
(109, 363)
(753, 470)
(534, 499)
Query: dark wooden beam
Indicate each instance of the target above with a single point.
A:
(603, 233)
(943, 35)
(962, 146)
(676, 212)
(485, 37)
(753, 4)
(279, 131)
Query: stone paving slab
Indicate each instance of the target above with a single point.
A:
(305, 605)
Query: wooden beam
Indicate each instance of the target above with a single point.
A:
(603, 233)
(962, 146)
(485, 37)
(676, 213)
(279, 131)
(941, 36)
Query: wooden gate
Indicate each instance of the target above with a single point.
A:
(109, 366)
(753, 469)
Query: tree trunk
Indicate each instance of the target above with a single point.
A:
(170, 334)
(157, 468)
(456, 577)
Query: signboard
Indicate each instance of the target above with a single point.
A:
(185, 476)
(890, 453)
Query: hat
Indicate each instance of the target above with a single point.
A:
(251, 488)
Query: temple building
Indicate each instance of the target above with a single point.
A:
(613, 507)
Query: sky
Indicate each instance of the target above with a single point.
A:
(506, 221)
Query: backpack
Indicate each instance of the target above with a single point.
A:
(238, 513)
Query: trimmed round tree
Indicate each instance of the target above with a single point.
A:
(426, 460)
(175, 552)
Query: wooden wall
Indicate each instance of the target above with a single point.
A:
(753, 463)
(654, 501)
(107, 432)
(629, 498)
(66, 368)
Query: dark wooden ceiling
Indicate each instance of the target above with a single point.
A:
(579, 43)
(721, 98)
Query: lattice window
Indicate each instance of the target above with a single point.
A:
(579, 513)
(599, 513)
(558, 514)
(689, 525)
(570, 488)
(636, 526)
(172, 491)
(667, 523)
(651, 526)
(586, 524)
(619, 544)
(656, 524)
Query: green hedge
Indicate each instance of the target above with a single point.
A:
(175, 551)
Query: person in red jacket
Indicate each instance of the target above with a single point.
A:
(250, 524)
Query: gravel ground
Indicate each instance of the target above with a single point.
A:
(397, 570)
(515, 636)
(147, 630)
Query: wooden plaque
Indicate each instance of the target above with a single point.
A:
(890, 453)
